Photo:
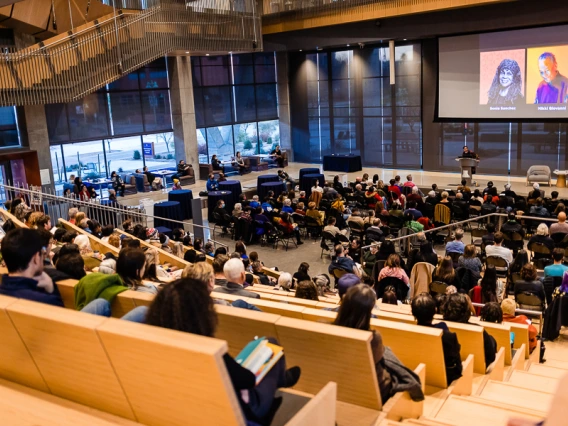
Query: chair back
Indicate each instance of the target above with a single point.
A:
(438, 287)
(455, 257)
(560, 239)
(496, 261)
(427, 210)
(442, 214)
(400, 287)
(316, 198)
(342, 238)
(540, 248)
(529, 301)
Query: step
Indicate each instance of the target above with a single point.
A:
(556, 363)
(518, 396)
(545, 370)
(471, 411)
(532, 381)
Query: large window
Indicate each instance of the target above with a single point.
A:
(8, 127)
(97, 159)
(236, 105)
(136, 104)
(349, 106)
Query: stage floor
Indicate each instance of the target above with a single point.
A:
(422, 178)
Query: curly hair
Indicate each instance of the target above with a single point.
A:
(515, 90)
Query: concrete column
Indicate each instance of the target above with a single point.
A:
(35, 129)
(183, 111)
(284, 103)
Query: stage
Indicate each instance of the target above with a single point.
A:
(423, 179)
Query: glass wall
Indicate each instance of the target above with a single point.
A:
(349, 106)
(236, 105)
(9, 135)
(97, 159)
(505, 148)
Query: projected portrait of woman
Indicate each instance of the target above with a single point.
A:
(507, 85)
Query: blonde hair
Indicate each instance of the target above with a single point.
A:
(79, 217)
(201, 271)
(33, 218)
(114, 240)
(445, 194)
(508, 306)
(542, 229)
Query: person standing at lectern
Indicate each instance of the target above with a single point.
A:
(466, 153)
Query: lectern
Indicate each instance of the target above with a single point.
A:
(467, 165)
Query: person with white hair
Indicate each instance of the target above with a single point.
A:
(284, 282)
(432, 198)
(535, 193)
(287, 206)
(237, 210)
(234, 271)
(254, 202)
(541, 237)
(415, 196)
(508, 191)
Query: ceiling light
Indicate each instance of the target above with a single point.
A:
(187, 52)
(300, 50)
(207, 54)
(404, 39)
(348, 45)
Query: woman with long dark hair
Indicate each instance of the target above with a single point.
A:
(130, 266)
(185, 305)
(507, 85)
(355, 312)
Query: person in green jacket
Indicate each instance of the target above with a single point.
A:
(409, 222)
(370, 258)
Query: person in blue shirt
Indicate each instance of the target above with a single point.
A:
(456, 246)
(254, 202)
(557, 269)
(417, 214)
(212, 184)
(266, 206)
(287, 207)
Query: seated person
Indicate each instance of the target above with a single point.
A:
(457, 309)
(561, 227)
(423, 309)
(462, 204)
(287, 206)
(538, 209)
(463, 187)
(542, 237)
(510, 193)
(508, 306)
(456, 246)
(355, 250)
(512, 225)
(498, 250)
(278, 156)
(240, 163)
(257, 271)
(415, 196)
(535, 193)
(489, 238)
(374, 232)
(446, 273)
(331, 228)
(154, 181)
(411, 208)
(117, 183)
(343, 262)
(196, 315)
(234, 271)
(432, 198)
(410, 222)
(182, 169)
(216, 164)
(470, 260)
(212, 184)
(290, 227)
(355, 312)
(285, 177)
(393, 269)
(557, 269)
(529, 283)
(254, 202)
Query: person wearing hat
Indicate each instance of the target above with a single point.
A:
(508, 307)
(176, 185)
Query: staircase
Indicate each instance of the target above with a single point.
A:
(69, 66)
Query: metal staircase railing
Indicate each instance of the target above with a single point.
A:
(66, 68)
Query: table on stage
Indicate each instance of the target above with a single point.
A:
(184, 197)
(342, 163)
(277, 187)
(561, 178)
(167, 210)
(213, 197)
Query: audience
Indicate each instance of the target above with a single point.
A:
(446, 273)
(470, 260)
(342, 262)
(234, 271)
(529, 283)
(542, 237)
(456, 246)
(492, 312)
(393, 269)
(306, 290)
(557, 269)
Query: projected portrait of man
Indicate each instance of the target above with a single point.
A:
(507, 85)
(553, 89)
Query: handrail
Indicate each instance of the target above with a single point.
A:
(70, 66)
(37, 197)
(457, 224)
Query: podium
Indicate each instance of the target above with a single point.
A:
(467, 165)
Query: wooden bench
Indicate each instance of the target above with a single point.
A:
(545, 370)
(7, 215)
(96, 243)
(147, 374)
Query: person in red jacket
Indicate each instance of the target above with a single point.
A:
(508, 307)
(290, 227)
